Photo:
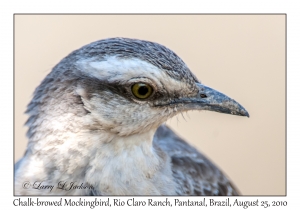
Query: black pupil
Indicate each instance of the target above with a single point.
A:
(143, 90)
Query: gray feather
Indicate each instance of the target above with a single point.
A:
(193, 172)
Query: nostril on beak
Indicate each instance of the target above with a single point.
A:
(203, 95)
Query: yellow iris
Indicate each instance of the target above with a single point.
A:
(141, 90)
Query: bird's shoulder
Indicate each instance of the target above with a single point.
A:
(193, 173)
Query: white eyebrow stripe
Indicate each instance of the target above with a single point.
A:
(123, 69)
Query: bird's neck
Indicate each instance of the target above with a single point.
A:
(112, 164)
(127, 166)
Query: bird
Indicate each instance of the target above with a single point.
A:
(97, 125)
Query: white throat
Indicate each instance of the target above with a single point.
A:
(112, 164)
(121, 166)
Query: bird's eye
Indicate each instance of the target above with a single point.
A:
(141, 90)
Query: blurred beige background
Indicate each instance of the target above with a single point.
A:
(242, 56)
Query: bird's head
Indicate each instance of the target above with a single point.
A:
(126, 86)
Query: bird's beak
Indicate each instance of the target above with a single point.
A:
(212, 100)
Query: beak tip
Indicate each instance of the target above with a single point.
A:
(245, 113)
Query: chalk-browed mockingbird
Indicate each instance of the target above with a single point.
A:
(96, 120)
